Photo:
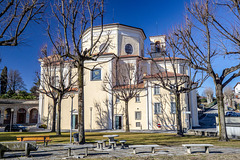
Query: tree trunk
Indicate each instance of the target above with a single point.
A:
(221, 113)
(127, 129)
(59, 117)
(178, 115)
(54, 116)
(81, 103)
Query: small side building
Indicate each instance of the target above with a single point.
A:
(19, 111)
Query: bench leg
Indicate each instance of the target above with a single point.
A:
(104, 144)
(206, 149)
(134, 150)
(27, 150)
(101, 146)
(189, 150)
(122, 144)
(1, 153)
(113, 146)
(153, 150)
(69, 152)
(86, 151)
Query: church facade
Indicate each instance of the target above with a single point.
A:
(153, 108)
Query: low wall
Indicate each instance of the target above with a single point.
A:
(232, 126)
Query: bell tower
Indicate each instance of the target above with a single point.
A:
(158, 46)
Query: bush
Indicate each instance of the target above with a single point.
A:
(43, 126)
(203, 100)
(212, 103)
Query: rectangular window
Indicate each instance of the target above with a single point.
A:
(96, 75)
(156, 89)
(117, 99)
(157, 108)
(55, 81)
(137, 98)
(173, 107)
(138, 115)
(138, 124)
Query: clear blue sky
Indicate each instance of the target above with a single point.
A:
(155, 17)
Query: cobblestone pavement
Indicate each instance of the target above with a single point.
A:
(60, 152)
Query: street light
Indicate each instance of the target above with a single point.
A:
(11, 118)
(71, 95)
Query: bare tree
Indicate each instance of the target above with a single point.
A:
(209, 94)
(74, 18)
(56, 79)
(175, 74)
(126, 83)
(15, 16)
(206, 38)
(15, 81)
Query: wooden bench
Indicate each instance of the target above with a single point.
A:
(44, 139)
(188, 146)
(17, 146)
(143, 146)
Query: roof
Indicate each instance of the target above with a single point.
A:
(164, 75)
(139, 86)
(73, 89)
(103, 54)
(118, 24)
(163, 58)
(236, 84)
(128, 56)
(18, 101)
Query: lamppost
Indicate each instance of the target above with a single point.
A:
(71, 95)
(90, 119)
(11, 118)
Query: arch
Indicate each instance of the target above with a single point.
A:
(21, 116)
(7, 116)
(33, 116)
(157, 47)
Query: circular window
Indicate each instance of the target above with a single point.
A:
(102, 47)
(128, 49)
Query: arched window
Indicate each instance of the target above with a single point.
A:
(7, 116)
(157, 47)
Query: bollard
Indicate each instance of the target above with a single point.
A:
(69, 152)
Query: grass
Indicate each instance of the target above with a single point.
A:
(166, 139)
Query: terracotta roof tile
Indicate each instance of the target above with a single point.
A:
(139, 86)
(164, 75)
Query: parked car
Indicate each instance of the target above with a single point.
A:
(232, 114)
(16, 127)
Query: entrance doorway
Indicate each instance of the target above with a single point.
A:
(21, 116)
(33, 116)
(118, 122)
